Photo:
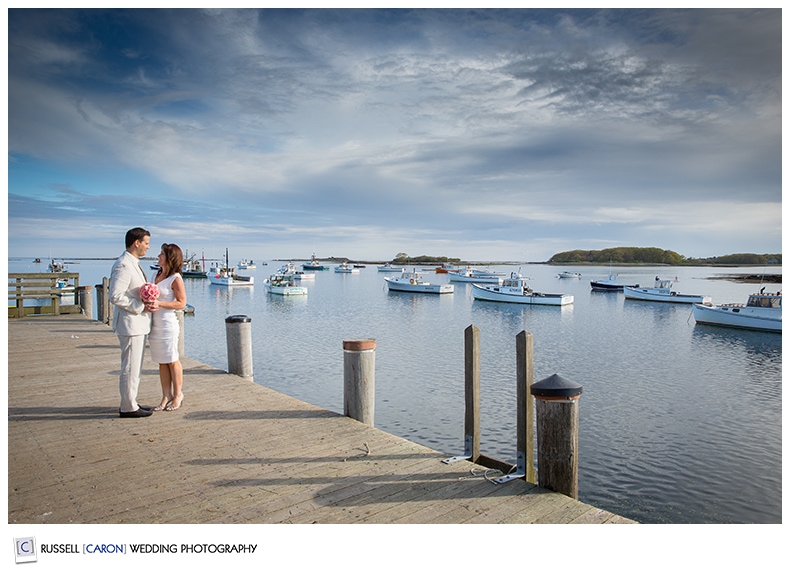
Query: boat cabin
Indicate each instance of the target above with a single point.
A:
(765, 300)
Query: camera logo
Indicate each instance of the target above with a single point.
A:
(25, 549)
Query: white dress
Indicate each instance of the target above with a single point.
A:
(163, 338)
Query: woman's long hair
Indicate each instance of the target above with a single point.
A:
(174, 260)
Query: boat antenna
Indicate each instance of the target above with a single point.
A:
(762, 278)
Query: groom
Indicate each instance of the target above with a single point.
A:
(130, 320)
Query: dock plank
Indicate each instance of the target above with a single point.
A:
(236, 452)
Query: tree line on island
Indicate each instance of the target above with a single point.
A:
(614, 256)
(656, 256)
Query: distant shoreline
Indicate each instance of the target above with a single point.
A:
(428, 263)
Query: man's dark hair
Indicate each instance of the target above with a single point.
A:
(136, 234)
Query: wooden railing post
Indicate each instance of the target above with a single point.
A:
(53, 295)
(20, 302)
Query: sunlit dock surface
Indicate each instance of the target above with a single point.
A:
(235, 452)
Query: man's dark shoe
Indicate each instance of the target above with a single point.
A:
(145, 407)
(139, 413)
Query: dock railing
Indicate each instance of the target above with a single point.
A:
(45, 293)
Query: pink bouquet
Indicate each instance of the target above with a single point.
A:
(149, 292)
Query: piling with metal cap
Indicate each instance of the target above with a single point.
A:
(557, 415)
(238, 332)
(359, 379)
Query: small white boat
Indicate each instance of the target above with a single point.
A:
(412, 282)
(245, 264)
(610, 284)
(470, 275)
(516, 290)
(284, 285)
(569, 275)
(346, 268)
(761, 312)
(662, 292)
(58, 267)
(487, 273)
(290, 270)
(388, 268)
(226, 276)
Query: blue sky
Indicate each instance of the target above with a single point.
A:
(478, 134)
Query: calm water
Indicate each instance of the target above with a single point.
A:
(679, 423)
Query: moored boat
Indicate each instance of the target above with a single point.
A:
(470, 275)
(610, 284)
(304, 275)
(282, 284)
(226, 276)
(346, 268)
(192, 268)
(58, 267)
(517, 290)
(388, 268)
(662, 292)
(761, 312)
(569, 275)
(314, 265)
(290, 270)
(245, 264)
(412, 282)
(446, 268)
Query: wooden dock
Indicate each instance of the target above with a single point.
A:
(236, 452)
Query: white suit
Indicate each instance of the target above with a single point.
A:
(130, 323)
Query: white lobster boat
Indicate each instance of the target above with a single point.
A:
(761, 312)
(284, 285)
(470, 275)
(516, 290)
(346, 268)
(290, 270)
(411, 282)
(388, 268)
(662, 292)
(226, 276)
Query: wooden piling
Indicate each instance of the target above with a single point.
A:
(359, 379)
(180, 319)
(103, 308)
(472, 392)
(525, 413)
(557, 413)
(238, 334)
(85, 294)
